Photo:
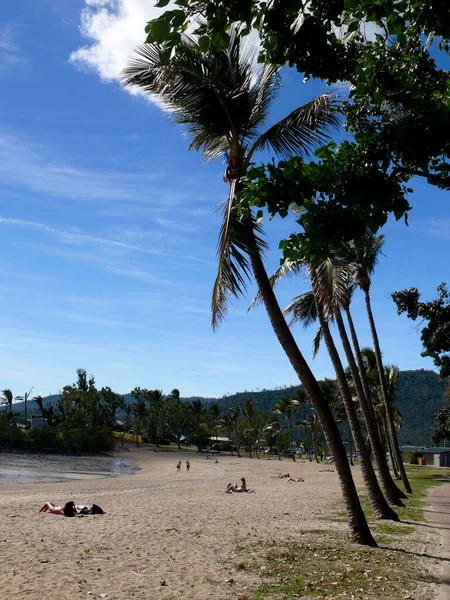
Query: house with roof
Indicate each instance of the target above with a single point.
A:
(432, 457)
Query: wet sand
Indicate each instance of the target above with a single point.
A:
(28, 467)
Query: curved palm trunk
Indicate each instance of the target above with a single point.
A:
(393, 494)
(375, 440)
(236, 441)
(356, 519)
(380, 507)
(391, 453)
(350, 449)
(389, 417)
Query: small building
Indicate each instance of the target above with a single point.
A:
(37, 422)
(432, 457)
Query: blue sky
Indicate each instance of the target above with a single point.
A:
(108, 226)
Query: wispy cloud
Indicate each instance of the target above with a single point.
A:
(176, 225)
(437, 228)
(9, 50)
(92, 320)
(44, 173)
(77, 238)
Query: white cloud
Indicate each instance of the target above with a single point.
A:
(114, 28)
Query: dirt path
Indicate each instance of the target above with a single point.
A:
(438, 513)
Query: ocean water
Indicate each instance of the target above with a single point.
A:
(52, 468)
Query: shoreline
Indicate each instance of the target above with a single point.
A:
(38, 467)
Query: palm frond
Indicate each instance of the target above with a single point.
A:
(287, 269)
(316, 342)
(302, 129)
(237, 240)
(210, 94)
(302, 308)
(332, 290)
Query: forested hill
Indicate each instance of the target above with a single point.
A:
(419, 396)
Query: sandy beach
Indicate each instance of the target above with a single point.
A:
(166, 535)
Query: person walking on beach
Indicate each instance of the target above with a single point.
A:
(178, 466)
(188, 466)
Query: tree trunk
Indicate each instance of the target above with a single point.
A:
(380, 507)
(393, 494)
(350, 449)
(356, 519)
(391, 453)
(390, 489)
(390, 420)
(236, 442)
(290, 439)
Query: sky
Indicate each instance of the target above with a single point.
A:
(109, 226)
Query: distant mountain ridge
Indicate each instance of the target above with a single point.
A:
(419, 396)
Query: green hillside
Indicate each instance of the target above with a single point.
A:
(419, 396)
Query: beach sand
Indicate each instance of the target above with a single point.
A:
(166, 535)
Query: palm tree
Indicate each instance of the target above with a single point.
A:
(249, 412)
(287, 406)
(139, 411)
(364, 256)
(175, 409)
(272, 432)
(336, 291)
(223, 104)
(200, 414)
(312, 423)
(7, 399)
(327, 285)
(214, 412)
(234, 418)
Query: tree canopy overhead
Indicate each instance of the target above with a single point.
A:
(394, 54)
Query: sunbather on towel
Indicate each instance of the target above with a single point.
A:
(234, 488)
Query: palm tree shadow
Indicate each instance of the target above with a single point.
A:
(443, 559)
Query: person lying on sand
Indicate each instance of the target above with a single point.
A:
(281, 476)
(70, 509)
(297, 480)
(235, 488)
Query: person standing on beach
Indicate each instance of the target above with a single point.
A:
(178, 466)
(188, 466)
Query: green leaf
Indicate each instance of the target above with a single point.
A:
(220, 40)
(162, 3)
(159, 30)
(204, 43)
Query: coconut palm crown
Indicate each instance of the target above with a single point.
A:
(223, 104)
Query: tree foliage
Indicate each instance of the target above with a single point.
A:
(393, 55)
(435, 335)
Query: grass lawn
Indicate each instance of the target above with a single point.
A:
(325, 564)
